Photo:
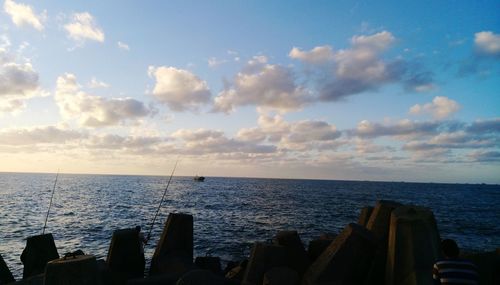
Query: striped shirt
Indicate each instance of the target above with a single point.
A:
(454, 271)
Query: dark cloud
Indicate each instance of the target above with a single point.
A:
(402, 128)
(362, 68)
(485, 126)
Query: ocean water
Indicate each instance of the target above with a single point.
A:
(230, 214)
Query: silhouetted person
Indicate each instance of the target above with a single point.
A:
(452, 269)
(142, 242)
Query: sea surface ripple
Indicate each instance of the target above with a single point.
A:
(230, 214)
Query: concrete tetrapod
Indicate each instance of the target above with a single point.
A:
(77, 270)
(125, 260)
(262, 258)
(296, 254)
(346, 260)
(364, 216)
(414, 246)
(5, 274)
(174, 252)
(211, 263)
(200, 276)
(281, 276)
(39, 250)
(316, 248)
(378, 224)
(380, 218)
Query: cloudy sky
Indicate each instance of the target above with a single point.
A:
(288, 89)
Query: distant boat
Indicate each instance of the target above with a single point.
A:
(199, 178)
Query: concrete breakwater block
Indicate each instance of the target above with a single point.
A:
(211, 263)
(161, 279)
(5, 274)
(281, 276)
(39, 250)
(379, 224)
(124, 255)
(174, 252)
(78, 270)
(262, 258)
(317, 246)
(380, 218)
(296, 254)
(414, 246)
(237, 272)
(199, 276)
(33, 280)
(346, 260)
(364, 216)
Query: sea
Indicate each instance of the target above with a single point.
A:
(230, 214)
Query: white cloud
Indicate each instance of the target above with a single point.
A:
(251, 135)
(366, 146)
(203, 141)
(488, 43)
(309, 130)
(94, 111)
(317, 55)
(440, 108)
(197, 135)
(22, 14)
(17, 79)
(263, 85)
(123, 46)
(310, 135)
(4, 42)
(38, 135)
(94, 83)
(83, 27)
(303, 136)
(18, 82)
(361, 68)
(179, 89)
(131, 143)
(377, 42)
(435, 141)
(213, 62)
(234, 54)
(271, 128)
(11, 106)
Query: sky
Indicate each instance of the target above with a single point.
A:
(350, 90)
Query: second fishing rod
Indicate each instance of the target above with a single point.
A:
(161, 201)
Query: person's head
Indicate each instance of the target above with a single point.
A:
(138, 228)
(450, 248)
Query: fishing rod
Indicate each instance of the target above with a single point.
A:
(161, 201)
(50, 204)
